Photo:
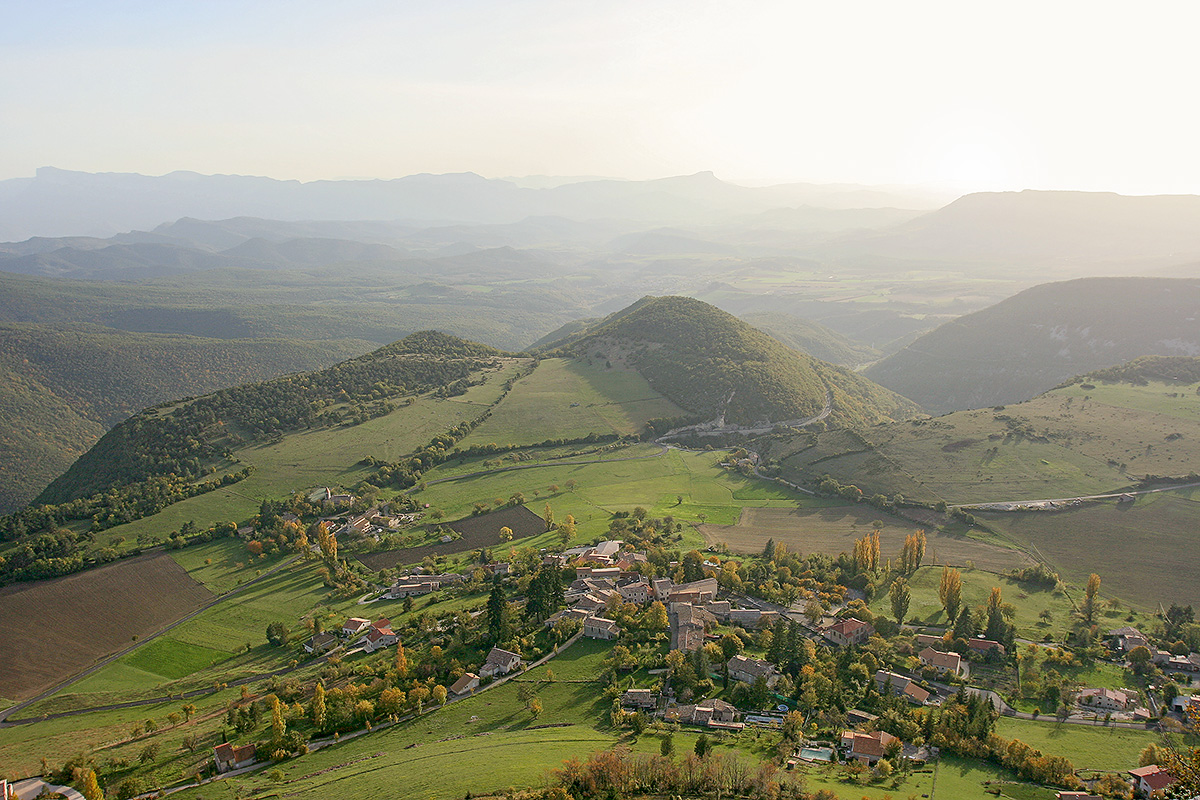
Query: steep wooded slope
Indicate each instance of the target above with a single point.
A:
(61, 389)
(188, 439)
(1029, 343)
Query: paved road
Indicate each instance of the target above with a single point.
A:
(8, 712)
(29, 789)
(701, 429)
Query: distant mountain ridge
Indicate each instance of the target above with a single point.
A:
(1051, 227)
(1026, 345)
(717, 366)
(64, 203)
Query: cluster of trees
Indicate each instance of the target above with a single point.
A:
(621, 773)
(115, 506)
(964, 726)
(61, 551)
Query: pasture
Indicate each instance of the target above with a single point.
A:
(1089, 747)
(977, 584)
(53, 629)
(1148, 551)
(1066, 443)
(833, 528)
(219, 645)
(688, 486)
(568, 399)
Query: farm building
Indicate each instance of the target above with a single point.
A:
(600, 628)
(499, 662)
(749, 670)
(639, 698)
(944, 663)
(866, 747)
(848, 632)
(228, 757)
(320, 643)
(468, 683)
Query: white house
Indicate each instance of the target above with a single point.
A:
(499, 662)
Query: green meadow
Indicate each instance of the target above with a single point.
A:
(689, 486)
(1146, 552)
(568, 399)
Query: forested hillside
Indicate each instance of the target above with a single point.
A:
(61, 389)
(1029, 343)
(711, 363)
(188, 439)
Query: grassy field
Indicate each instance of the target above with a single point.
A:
(1148, 551)
(686, 485)
(52, 629)
(223, 564)
(567, 399)
(492, 731)
(957, 779)
(822, 527)
(106, 735)
(977, 585)
(1066, 443)
(1088, 747)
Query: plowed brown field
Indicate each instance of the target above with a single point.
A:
(53, 629)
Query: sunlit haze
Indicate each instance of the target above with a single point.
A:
(975, 96)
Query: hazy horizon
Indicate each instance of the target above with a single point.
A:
(937, 94)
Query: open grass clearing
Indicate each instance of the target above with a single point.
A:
(977, 584)
(567, 398)
(212, 647)
(688, 486)
(833, 528)
(1146, 552)
(1067, 443)
(957, 779)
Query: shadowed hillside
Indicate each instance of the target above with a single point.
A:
(1027, 344)
(61, 389)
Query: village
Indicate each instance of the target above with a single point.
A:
(709, 634)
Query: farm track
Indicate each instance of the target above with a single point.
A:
(8, 712)
(1023, 505)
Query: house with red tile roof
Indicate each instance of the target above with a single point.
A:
(228, 757)
(1151, 779)
(866, 747)
(848, 632)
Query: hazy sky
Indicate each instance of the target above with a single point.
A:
(1087, 95)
